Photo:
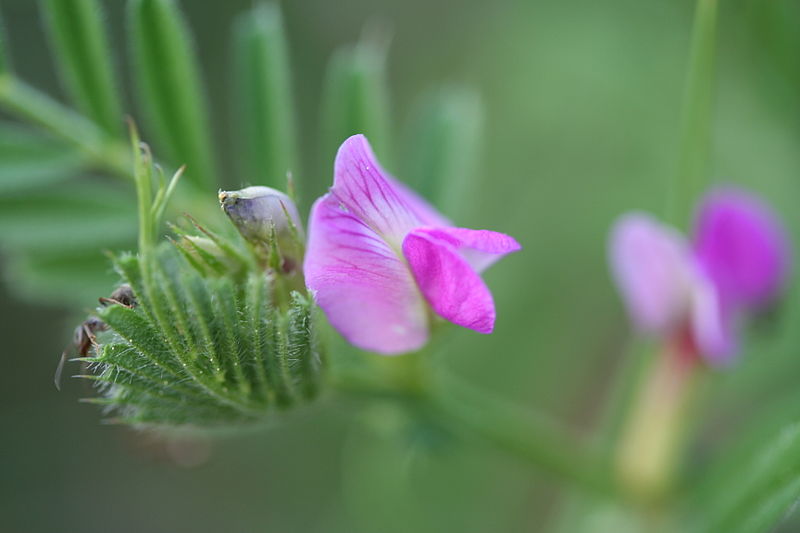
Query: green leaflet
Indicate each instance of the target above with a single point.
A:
(55, 236)
(80, 44)
(30, 160)
(264, 103)
(75, 279)
(355, 100)
(442, 144)
(767, 482)
(170, 90)
(691, 178)
(54, 219)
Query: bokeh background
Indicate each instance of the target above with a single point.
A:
(581, 120)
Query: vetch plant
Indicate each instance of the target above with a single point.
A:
(218, 315)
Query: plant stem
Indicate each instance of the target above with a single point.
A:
(653, 440)
(539, 441)
(471, 412)
(696, 116)
(34, 106)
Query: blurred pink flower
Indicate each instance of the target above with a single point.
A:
(737, 263)
(380, 258)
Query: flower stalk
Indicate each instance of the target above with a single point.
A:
(532, 438)
(413, 379)
(654, 435)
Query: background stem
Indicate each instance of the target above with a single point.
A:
(696, 115)
(535, 439)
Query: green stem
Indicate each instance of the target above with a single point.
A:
(34, 106)
(653, 442)
(695, 116)
(144, 195)
(467, 410)
(535, 439)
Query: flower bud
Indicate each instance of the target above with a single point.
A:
(256, 210)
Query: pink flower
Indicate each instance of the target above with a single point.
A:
(380, 258)
(737, 263)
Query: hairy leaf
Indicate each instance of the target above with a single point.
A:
(202, 351)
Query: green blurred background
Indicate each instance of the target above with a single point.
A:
(582, 103)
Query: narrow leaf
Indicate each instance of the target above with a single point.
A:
(38, 108)
(72, 216)
(82, 50)
(264, 102)
(442, 147)
(73, 279)
(766, 484)
(696, 116)
(29, 159)
(169, 86)
(355, 101)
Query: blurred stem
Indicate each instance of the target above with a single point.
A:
(695, 144)
(34, 106)
(472, 412)
(635, 363)
(533, 438)
(652, 440)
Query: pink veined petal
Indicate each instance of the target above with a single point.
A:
(651, 267)
(742, 247)
(450, 285)
(425, 212)
(364, 287)
(366, 190)
(712, 323)
(479, 247)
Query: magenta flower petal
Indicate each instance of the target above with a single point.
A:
(742, 247)
(450, 285)
(712, 324)
(365, 189)
(651, 266)
(364, 287)
(479, 247)
(379, 258)
(425, 212)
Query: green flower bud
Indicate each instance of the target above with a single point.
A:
(255, 211)
(268, 219)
